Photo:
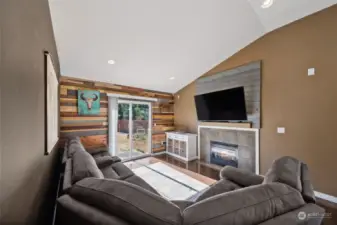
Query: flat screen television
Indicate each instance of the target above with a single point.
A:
(225, 105)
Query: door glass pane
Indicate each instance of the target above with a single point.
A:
(140, 130)
(123, 131)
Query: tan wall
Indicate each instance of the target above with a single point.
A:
(305, 106)
(26, 183)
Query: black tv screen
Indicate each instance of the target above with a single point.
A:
(226, 105)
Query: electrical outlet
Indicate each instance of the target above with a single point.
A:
(311, 71)
(281, 130)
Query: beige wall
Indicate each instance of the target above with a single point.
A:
(26, 173)
(305, 106)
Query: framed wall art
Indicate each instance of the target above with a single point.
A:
(51, 104)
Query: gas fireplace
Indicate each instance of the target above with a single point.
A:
(224, 154)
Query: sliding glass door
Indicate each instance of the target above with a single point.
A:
(123, 144)
(134, 129)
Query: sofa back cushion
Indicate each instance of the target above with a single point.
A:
(136, 180)
(127, 201)
(219, 187)
(293, 172)
(73, 212)
(83, 166)
(285, 170)
(251, 205)
(240, 176)
(74, 145)
(307, 188)
(67, 177)
(65, 153)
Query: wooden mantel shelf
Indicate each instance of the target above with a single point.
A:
(224, 124)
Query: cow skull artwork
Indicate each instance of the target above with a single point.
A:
(88, 102)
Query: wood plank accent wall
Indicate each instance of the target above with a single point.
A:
(93, 130)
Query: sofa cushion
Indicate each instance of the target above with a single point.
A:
(104, 161)
(74, 146)
(122, 170)
(220, 187)
(136, 180)
(241, 177)
(251, 205)
(116, 170)
(109, 173)
(74, 139)
(84, 166)
(127, 201)
(285, 170)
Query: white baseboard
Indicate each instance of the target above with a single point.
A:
(327, 197)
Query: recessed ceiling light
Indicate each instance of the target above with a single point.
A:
(172, 78)
(111, 62)
(267, 3)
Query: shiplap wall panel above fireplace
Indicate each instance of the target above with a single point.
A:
(248, 76)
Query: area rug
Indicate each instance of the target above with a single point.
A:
(170, 183)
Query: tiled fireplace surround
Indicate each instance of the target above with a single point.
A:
(246, 141)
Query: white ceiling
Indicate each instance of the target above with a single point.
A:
(153, 40)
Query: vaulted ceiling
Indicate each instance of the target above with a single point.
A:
(152, 41)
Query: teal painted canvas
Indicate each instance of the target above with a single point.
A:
(88, 102)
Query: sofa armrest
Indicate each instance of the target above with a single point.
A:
(241, 177)
(251, 205)
(105, 161)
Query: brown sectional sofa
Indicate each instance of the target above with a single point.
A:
(100, 189)
(79, 164)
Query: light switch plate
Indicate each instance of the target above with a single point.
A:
(281, 130)
(311, 71)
